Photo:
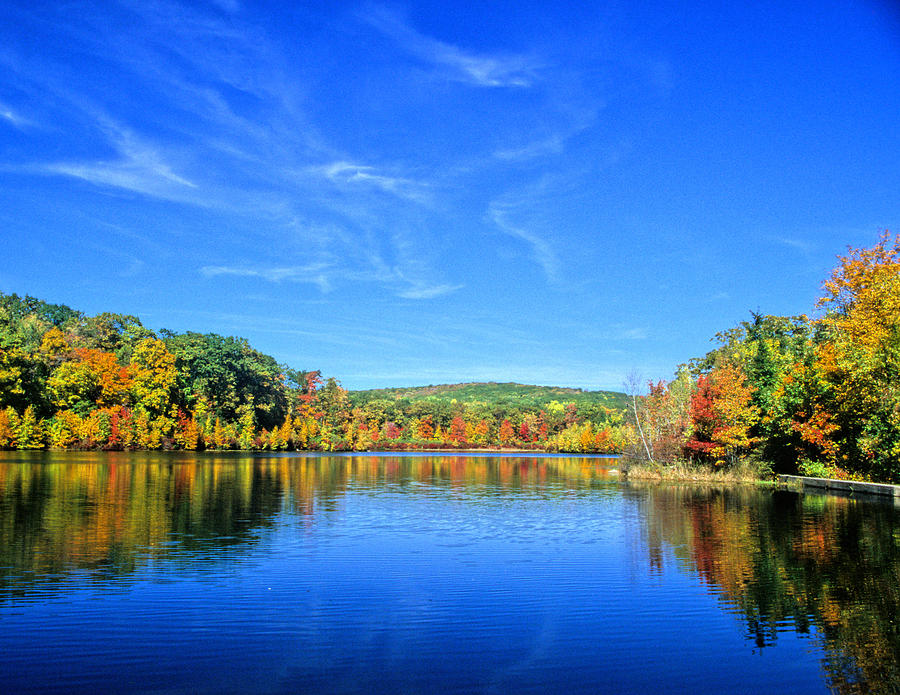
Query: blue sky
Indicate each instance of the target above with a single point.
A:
(416, 193)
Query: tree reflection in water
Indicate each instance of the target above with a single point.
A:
(108, 513)
(788, 561)
(827, 567)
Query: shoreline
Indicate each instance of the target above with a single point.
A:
(690, 474)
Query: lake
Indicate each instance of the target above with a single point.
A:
(305, 573)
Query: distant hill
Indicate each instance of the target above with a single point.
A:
(492, 392)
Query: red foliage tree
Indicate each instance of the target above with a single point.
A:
(524, 432)
(391, 431)
(722, 413)
(458, 430)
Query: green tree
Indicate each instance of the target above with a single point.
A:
(228, 373)
(21, 379)
(115, 333)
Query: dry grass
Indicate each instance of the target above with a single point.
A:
(684, 471)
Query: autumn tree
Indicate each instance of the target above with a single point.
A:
(665, 417)
(9, 421)
(458, 430)
(391, 430)
(186, 432)
(246, 426)
(525, 430)
(154, 376)
(542, 427)
(113, 379)
(506, 433)
(425, 428)
(55, 347)
(862, 366)
(64, 429)
(482, 433)
(74, 386)
(722, 414)
(30, 432)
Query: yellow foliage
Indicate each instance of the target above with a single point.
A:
(153, 375)
(72, 384)
(64, 429)
(733, 409)
(301, 433)
(587, 437)
(12, 362)
(30, 433)
(55, 345)
(147, 433)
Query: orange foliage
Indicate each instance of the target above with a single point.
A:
(114, 380)
(506, 432)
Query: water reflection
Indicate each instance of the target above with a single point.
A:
(785, 564)
(788, 562)
(108, 513)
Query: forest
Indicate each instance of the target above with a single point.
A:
(71, 381)
(816, 395)
(819, 395)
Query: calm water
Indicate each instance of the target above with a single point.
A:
(154, 573)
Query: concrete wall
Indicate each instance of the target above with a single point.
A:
(842, 487)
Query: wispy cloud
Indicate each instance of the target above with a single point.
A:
(632, 334)
(315, 273)
(550, 145)
(357, 174)
(502, 70)
(325, 275)
(806, 249)
(574, 119)
(428, 292)
(141, 167)
(199, 106)
(13, 118)
(228, 133)
(799, 244)
(541, 251)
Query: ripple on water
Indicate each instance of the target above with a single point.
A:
(321, 574)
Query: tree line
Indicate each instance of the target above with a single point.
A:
(68, 380)
(816, 395)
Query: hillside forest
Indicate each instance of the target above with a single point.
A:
(71, 381)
